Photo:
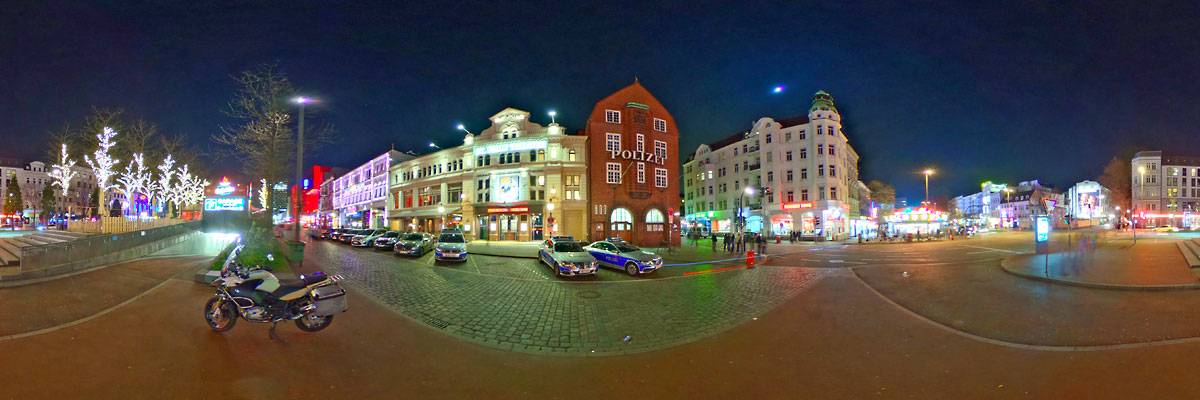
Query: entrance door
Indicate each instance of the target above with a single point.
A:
(482, 224)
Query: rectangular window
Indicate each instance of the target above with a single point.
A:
(614, 172)
(660, 149)
(660, 177)
(831, 152)
(820, 130)
(803, 173)
(833, 193)
(660, 124)
(788, 155)
(612, 116)
(787, 136)
(821, 193)
(770, 176)
(820, 149)
(821, 170)
(832, 170)
(612, 142)
(803, 153)
(768, 138)
(641, 142)
(803, 194)
(571, 155)
(789, 175)
(641, 172)
(791, 196)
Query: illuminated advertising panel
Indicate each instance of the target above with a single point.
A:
(506, 188)
(510, 146)
(225, 204)
(1042, 228)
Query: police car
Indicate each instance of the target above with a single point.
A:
(617, 253)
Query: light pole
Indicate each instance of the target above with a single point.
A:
(927, 172)
(442, 216)
(434, 145)
(1141, 191)
(302, 101)
(463, 128)
(552, 115)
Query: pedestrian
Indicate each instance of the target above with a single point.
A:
(714, 241)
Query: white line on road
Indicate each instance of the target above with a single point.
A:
(990, 248)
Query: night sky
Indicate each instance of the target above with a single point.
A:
(1012, 92)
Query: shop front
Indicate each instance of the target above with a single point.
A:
(918, 221)
(520, 222)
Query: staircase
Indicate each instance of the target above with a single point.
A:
(10, 248)
(1191, 253)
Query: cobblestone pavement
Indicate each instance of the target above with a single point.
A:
(516, 304)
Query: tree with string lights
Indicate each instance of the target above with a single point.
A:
(135, 180)
(63, 172)
(160, 188)
(102, 164)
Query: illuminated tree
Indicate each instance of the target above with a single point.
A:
(135, 179)
(160, 188)
(102, 165)
(63, 172)
(264, 195)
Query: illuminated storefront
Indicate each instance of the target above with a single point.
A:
(920, 220)
(359, 197)
(515, 180)
(225, 206)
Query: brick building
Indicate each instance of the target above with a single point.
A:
(634, 169)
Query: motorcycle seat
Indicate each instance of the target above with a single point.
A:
(288, 286)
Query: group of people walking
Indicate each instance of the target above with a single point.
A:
(735, 243)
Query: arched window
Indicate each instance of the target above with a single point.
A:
(654, 220)
(622, 219)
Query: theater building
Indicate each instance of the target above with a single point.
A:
(634, 169)
(516, 180)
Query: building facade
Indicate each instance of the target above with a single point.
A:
(515, 180)
(1089, 204)
(981, 209)
(1028, 199)
(35, 176)
(359, 197)
(1166, 189)
(788, 176)
(634, 168)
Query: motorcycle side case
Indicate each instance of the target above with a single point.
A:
(329, 300)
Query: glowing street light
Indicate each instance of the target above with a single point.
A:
(777, 89)
(301, 101)
(434, 145)
(552, 115)
(749, 191)
(927, 172)
(463, 128)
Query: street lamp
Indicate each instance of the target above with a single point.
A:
(434, 145)
(552, 115)
(301, 101)
(463, 128)
(927, 172)
(441, 214)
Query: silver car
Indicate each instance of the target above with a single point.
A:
(413, 244)
(567, 258)
(387, 241)
(450, 247)
(630, 258)
(367, 239)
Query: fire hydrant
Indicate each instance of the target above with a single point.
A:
(750, 259)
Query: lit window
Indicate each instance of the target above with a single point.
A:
(612, 116)
(660, 125)
(654, 216)
(571, 155)
(621, 219)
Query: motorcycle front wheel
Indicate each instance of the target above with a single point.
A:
(220, 319)
(313, 323)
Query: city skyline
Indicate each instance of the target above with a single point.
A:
(912, 102)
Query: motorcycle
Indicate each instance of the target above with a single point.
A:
(257, 295)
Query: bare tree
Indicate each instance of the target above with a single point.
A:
(882, 193)
(264, 140)
(1117, 178)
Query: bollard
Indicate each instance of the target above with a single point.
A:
(778, 239)
(750, 259)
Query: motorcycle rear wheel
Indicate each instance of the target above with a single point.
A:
(313, 323)
(228, 315)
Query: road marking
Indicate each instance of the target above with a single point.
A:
(84, 319)
(990, 248)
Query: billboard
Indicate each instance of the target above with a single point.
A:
(225, 204)
(506, 188)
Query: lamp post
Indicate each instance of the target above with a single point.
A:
(927, 172)
(552, 115)
(463, 128)
(301, 101)
(442, 216)
(434, 145)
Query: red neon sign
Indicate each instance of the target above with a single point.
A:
(796, 206)
(506, 210)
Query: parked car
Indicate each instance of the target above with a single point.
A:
(349, 236)
(335, 233)
(386, 241)
(413, 244)
(566, 257)
(450, 247)
(619, 254)
(367, 239)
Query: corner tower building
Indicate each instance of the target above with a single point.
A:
(633, 169)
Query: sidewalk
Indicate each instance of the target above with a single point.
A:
(1150, 265)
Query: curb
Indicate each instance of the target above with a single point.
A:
(1093, 285)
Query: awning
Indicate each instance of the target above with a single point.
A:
(423, 212)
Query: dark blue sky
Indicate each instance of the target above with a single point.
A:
(1009, 91)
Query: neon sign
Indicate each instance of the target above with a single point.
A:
(507, 210)
(796, 206)
(225, 204)
(504, 147)
(224, 188)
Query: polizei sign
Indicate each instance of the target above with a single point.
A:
(638, 156)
